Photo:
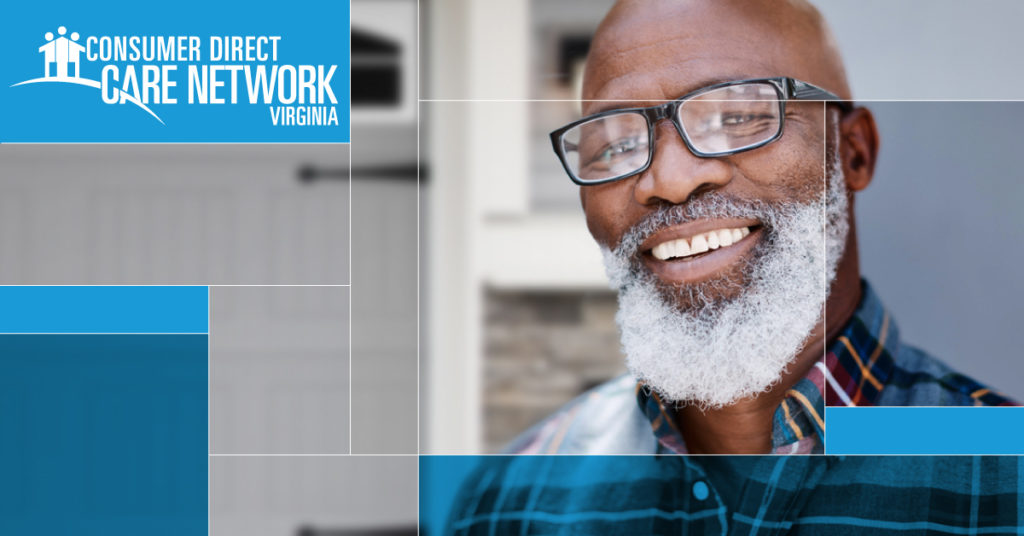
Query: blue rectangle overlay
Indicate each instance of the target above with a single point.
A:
(104, 309)
(103, 435)
(925, 430)
(190, 71)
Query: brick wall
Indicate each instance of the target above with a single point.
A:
(541, 350)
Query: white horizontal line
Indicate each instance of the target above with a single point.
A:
(175, 143)
(346, 285)
(560, 455)
(664, 100)
(163, 285)
(258, 455)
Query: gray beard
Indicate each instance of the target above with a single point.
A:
(720, 350)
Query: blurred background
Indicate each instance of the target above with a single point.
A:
(312, 253)
(518, 317)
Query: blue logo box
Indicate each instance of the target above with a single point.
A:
(182, 72)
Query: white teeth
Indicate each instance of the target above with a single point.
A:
(682, 248)
(672, 248)
(659, 252)
(700, 243)
(712, 238)
(725, 237)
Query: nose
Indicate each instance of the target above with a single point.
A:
(675, 173)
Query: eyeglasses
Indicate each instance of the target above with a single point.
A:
(717, 120)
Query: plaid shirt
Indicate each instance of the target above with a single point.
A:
(866, 365)
(763, 495)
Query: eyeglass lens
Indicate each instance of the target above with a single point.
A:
(719, 121)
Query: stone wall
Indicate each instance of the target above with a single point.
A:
(541, 350)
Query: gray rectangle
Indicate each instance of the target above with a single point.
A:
(174, 214)
(260, 496)
(279, 370)
(384, 315)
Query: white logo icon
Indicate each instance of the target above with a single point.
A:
(59, 54)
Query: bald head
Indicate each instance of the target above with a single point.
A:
(661, 49)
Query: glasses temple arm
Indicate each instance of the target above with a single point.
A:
(804, 91)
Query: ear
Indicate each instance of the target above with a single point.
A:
(858, 147)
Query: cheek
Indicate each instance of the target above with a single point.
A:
(792, 168)
(606, 208)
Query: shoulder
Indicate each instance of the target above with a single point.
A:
(603, 420)
(919, 379)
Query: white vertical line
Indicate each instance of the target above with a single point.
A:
(209, 412)
(418, 230)
(350, 155)
(350, 355)
(419, 378)
(824, 268)
(350, 98)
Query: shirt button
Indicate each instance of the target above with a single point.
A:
(700, 490)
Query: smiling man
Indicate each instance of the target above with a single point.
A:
(717, 160)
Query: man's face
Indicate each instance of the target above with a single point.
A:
(650, 58)
(723, 324)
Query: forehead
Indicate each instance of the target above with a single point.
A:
(660, 52)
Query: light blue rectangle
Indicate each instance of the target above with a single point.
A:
(104, 309)
(71, 93)
(925, 430)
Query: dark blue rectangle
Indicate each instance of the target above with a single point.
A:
(103, 435)
(925, 430)
(103, 309)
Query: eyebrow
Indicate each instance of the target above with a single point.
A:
(608, 105)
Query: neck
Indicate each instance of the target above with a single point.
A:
(746, 426)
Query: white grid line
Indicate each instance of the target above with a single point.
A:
(824, 268)
(171, 285)
(662, 99)
(350, 275)
(419, 379)
(209, 412)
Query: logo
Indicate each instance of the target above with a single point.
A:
(61, 53)
(160, 71)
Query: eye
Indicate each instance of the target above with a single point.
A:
(618, 148)
(744, 118)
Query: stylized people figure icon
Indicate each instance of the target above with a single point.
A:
(61, 51)
(74, 51)
(49, 51)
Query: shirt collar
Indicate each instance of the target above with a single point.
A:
(860, 362)
(797, 425)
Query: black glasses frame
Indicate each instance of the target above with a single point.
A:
(786, 88)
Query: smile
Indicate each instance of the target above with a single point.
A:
(699, 243)
(700, 250)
